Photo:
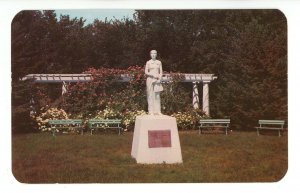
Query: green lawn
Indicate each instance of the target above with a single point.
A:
(105, 158)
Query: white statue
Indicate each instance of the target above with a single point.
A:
(153, 71)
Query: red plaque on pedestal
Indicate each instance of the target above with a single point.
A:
(159, 138)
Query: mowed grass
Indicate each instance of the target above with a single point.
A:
(105, 158)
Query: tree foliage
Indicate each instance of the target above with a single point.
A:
(246, 49)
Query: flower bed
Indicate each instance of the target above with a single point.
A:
(128, 117)
(185, 120)
(50, 114)
(189, 119)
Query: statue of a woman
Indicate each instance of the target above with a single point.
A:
(153, 71)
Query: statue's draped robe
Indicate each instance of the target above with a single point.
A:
(153, 70)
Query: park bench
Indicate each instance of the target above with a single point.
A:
(65, 124)
(214, 123)
(270, 125)
(104, 124)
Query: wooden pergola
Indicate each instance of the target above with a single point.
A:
(195, 79)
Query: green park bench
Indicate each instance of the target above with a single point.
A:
(270, 125)
(105, 124)
(65, 124)
(214, 123)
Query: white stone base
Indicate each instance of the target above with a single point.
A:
(154, 155)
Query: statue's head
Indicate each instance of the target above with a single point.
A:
(153, 54)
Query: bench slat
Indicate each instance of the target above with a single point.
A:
(271, 128)
(65, 121)
(215, 120)
(210, 126)
(269, 122)
(209, 122)
(105, 121)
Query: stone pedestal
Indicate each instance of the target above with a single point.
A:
(156, 140)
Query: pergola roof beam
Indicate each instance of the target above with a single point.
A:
(59, 78)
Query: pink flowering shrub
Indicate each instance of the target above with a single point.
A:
(106, 91)
(107, 97)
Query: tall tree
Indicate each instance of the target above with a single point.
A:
(246, 49)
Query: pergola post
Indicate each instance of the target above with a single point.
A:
(64, 88)
(205, 99)
(195, 96)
